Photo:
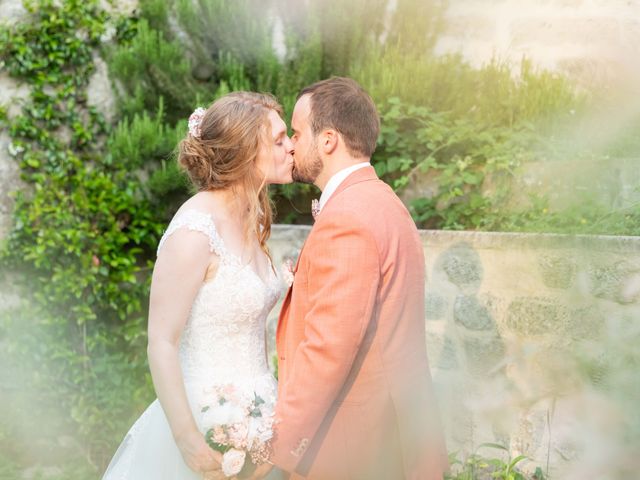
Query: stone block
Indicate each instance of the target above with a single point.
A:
(463, 266)
(597, 370)
(585, 323)
(557, 271)
(630, 292)
(448, 357)
(483, 354)
(471, 314)
(614, 282)
(435, 306)
(476, 27)
(630, 34)
(9, 182)
(99, 91)
(532, 426)
(591, 71)
(12, 11)
(552, 31)
(12, 94)
(536, 316)
(120, 7)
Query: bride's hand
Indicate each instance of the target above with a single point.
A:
(198, 456)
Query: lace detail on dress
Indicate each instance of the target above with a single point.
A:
(223, 339)
(197, 221)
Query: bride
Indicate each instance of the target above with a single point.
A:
(213, 285)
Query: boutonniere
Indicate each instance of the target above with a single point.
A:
(287, 272)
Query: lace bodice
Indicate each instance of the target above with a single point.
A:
(224, 337)
(222, 345)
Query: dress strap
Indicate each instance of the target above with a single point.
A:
(196, 220)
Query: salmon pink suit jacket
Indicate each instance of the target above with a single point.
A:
(355, 399)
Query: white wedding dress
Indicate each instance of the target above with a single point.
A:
(222, 343)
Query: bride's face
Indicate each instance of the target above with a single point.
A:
(275, 160)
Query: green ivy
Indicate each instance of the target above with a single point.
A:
(81, 247)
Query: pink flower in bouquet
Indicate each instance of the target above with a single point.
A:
(219, 435)
(238, 434)
(228, 390)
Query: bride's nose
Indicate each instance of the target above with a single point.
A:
(288, 145)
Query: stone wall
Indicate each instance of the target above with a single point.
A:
(14, 93)
(594, 41)
(11, 95)
(502, 312)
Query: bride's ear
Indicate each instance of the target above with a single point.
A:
(329, 140)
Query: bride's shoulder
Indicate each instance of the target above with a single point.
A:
(199, 203)
(194, 215)
(204, 204)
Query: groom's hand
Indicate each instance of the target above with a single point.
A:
(261, 471)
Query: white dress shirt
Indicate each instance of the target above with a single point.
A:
(335, 181)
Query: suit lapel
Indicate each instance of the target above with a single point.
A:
(282, 319)
(361, 175)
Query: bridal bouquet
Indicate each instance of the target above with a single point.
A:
(239, 425)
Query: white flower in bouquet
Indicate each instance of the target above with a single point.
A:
(225, 414)
(233, 461)
(265, 433)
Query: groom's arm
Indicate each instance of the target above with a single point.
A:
(343, 279)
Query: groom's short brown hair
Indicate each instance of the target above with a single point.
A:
(342, 104)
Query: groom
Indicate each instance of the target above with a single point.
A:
(355, 395)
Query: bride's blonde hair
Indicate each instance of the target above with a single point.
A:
(221, 153)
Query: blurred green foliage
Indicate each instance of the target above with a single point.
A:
(80, 248)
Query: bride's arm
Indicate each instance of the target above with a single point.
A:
(178, 274)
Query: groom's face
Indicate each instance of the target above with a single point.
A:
(307, 163)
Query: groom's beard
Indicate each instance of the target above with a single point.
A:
(310, 169)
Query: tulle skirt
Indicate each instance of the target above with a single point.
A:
(149, 451)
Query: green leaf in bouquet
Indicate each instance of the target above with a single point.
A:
(218, 447)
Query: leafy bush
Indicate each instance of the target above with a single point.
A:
(149, 67)
(477, 467)
(457, 156)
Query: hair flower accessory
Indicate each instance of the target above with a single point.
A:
(194, 122)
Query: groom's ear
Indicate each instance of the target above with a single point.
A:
(329, 140)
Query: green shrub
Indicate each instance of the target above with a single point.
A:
(151, 67)
(458, 156)
(143, 139)
(79, 253)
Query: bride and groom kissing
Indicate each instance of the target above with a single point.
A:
(354, 398)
